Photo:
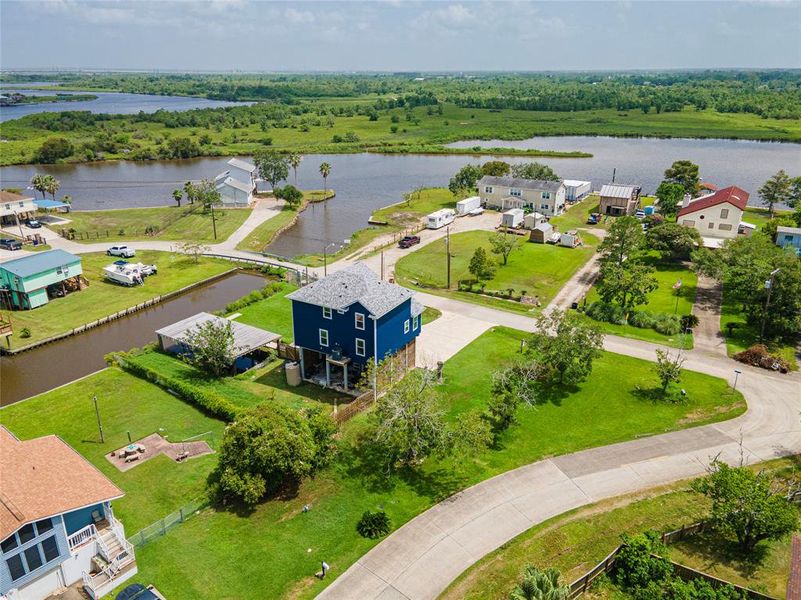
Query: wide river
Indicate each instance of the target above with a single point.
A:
(366, 182)
(106, 102)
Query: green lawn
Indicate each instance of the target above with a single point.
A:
(103, 298)
(127, 405)
(275, 550)
(661, 300)
(538, 269)
(188, 222)
(576, 216)
(577, 541)
(273, 313)
(431, 314)
(258, 239)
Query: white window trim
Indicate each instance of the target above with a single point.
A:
(416, 322)
(406, 326)
(327, 313)
(356, 321)
(488, 189)
(364, 347)
(320, 337)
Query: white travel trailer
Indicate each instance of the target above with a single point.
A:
(463, 207)
(442, 217)
(512, 217)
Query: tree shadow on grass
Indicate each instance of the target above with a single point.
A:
(555, 393)
(655, 395)
(712, 549)
(435, 485)
(366, 461)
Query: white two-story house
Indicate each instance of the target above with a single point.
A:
(716, 216)
(15, 208)
(503, 193)
(237, 184)
(56, 523)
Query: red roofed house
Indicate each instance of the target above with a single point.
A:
(56, 523)
(716, 216)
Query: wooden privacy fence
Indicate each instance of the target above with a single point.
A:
(342, 414)
(607, 565)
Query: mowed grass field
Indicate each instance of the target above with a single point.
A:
(274, 550)
(170, 222)
(424, 133)
(102, 298)
(538, 269)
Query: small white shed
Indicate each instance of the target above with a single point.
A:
(440, 218)
(512, 218)
(465, 206)
(570, 239)
(533, 219)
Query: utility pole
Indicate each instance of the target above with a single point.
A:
(213, 221)
(382, 265)
(99, 424)
(448, 252)
(769, 287)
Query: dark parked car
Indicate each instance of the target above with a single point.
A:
(33, 224)
(409, 241)
(10, 244)
(137, 592)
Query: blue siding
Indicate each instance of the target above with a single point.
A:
(78, 519)
(391, 336)
(7, 584)
(307, 320)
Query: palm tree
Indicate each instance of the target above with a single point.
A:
(294, 161)
(189, 190)
(178, 195)
(67, 199)
(38, 183)
(51, 185)
(540, 585)
(325, 171)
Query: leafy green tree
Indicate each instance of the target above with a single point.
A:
(670, 196)
(747, 505)
(512, 386)
(795, 194)
(409, 420)
(503, 243)
(534, 170)
(294, 159)
(566, 344)
(178, 195)
(211, 347)
(470, 435)
(181, 147)
(267, 449)
(668, 367)
(194, 249)
(53, 149)
(625, 240)
(627, 284)
(770, 228)
(641, 561)
(465, 180)
(685, 173)
(540, 585)
(290, 194)
(495, 168)
(273, 167)
(325, 171)
(673, 241)
(206, 193)
(776, 190)
(481, 267)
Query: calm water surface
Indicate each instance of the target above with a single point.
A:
(24, 375)
(366, 182)
(106, 102)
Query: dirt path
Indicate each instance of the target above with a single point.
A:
(708, 337)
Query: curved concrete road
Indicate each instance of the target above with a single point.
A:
(419, 560)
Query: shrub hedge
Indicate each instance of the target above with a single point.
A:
(664, 323)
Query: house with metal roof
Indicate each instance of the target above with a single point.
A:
(349, 318)
(249, 341)
(32, 280)
(57, 527)
(503, 193)
(619, 200)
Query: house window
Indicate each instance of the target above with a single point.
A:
(711, 225)
(724, 213)
(406, 326)
(359, 347)
(26, 534)
(515, 192)
(44, 526)
(688, 223)
(33, 558)
(546, 195)
(50, 548)
(544, 206)
(324, 337)
(359, 321)
(724, 227)
(416, 322)
(9, 544)
(701, 217)
(326, 312)
(488, 189)
(15, 567)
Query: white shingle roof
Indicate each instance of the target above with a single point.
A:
(241, 164)
(356, 283)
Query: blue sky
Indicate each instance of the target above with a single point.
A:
(251, 35)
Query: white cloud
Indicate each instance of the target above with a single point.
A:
(299, 16)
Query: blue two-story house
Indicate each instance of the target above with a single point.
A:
(57, 528)
(351, 317)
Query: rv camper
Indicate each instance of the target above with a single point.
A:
(439, 219)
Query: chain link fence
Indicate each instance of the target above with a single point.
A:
(162, 526)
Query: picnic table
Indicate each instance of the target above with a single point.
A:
(132, 449)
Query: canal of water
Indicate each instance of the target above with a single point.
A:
(41, 369)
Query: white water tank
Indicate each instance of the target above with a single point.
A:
(293, 374)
